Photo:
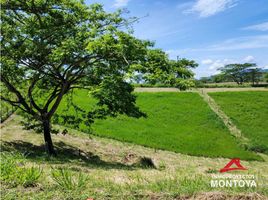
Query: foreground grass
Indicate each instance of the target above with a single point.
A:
(249, 111)
(112, 171)
(179, 122)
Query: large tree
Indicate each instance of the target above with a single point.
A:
(237, 72)
(51, 47)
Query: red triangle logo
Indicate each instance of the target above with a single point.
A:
(228, 167)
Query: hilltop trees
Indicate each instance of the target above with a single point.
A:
(51, 47)
(240, 73)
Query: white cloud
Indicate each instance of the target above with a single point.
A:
(207, 8)
(250, 42)
(258, 27)
(120, 3)
(240, 43)
(216, 64)
(249, 59)
(207, 62)
(265, 67)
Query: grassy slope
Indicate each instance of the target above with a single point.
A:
(180, 122)
(249, 111)
(112, 176)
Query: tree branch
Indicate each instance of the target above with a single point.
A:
(30, 96)
(64, 89)
(21, 100)
(53, 95)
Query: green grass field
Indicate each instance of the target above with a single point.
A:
(179, 122)
(110, 169)
(249, 111)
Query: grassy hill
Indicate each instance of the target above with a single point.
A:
(249, 111)
(109, 169)
(179, 122)
(98, 167)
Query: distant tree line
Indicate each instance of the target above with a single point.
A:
(238, 73)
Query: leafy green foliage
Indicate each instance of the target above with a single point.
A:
(241, 73)
(14, 172)
(5, 110)
(66, 179)
(159, 69)
(51, 47)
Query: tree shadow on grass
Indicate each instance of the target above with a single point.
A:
(65, 154)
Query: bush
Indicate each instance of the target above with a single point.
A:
(184, 84)
(67, 180)
(14, 172)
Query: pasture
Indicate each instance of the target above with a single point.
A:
(249, 111)
(109, 169)
(188, 143)
(180, 122)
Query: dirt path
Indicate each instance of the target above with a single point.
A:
(226, 120)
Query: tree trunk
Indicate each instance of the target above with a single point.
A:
(47, 137)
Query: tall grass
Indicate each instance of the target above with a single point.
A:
(14, 172)
(67, 180)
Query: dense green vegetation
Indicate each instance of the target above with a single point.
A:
(180, 122)
(5, 111)
(249, 111)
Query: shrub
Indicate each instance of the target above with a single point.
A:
(184, 84)
(67, 180)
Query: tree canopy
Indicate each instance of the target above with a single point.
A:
(159, 69)
(51, 47)
(240, 73)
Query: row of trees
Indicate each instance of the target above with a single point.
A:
(51, 47)
(239, 73)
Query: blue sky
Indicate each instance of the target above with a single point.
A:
(211, 32)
